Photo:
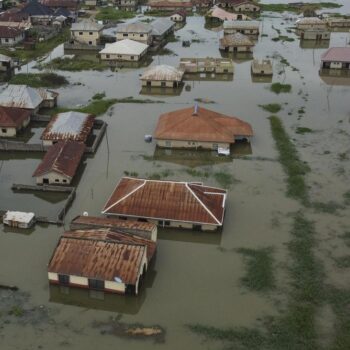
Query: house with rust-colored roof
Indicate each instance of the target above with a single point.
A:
(12, 120)
(200, 128)
(11, 35)
(170, 6)
(103, 260)
(60, 163)
(336, 58)
(168, 203)
(74, 126)
(239, 5)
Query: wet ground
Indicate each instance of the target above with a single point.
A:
(196, 276)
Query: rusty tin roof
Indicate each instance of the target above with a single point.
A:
(98, 254)
(13, 117)
(167, 200)
(63, 157)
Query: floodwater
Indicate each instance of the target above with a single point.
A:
(196, 276)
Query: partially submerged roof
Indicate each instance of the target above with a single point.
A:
(97, 255)
(63, 158)
(161, 26)
(20, 96)
(35, 8)
(163, 72)
(13, 117)
(200, 124)
(69, 126)
(236, 39)
(167, 200)
(310, 20)
(10, 32)
(337, 54)
(87, 25)
(125, 47)
(217, 12)
(19, 216)
(241, 24)
(135, 27)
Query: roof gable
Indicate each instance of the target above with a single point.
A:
(20, 96)
(13, 117)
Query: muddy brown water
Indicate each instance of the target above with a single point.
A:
(195, 278)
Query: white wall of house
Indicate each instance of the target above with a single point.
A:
(12, 41)
(246, 8)
(238, 48)
(123, 57)
(191, 144)
(159, 83)
(246, 31)
(145, 38)
(302, 26)
(86, 37)
(177, 18)
(11, 131)
(336, 65)
(53, 178)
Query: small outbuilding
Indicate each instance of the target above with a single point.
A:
(243, 27)
(137, 31)
(18, 219)
(207, 65)
(315, 34)
(262, 67)
(168, 203)
(236, 43)
(60, 163)
(103, 260)
(162, 76)
(200, 128)
(13, 120)
(74, 126)
(336, 58)
(124, 50)
(310, 23)
(178, 16)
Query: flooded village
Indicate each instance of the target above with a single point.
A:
(175, 174)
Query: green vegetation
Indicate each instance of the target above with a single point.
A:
(289, 8)
(112, 14)
(259, 271)
(291, 163)
(303, 130)
(278, 88)
(159, 176)
(51, 80)
(131, 173)
(75, 64)
(346, 197)
(224, 179)
(282, 38)
(196, 173)
(99, 96)
(271, 107)
(343, 261)
(16, 311)
(330, 207)
(41, 49)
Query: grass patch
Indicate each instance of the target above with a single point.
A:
(41, 48)
(38, 80)
(291, 163)
(112, 14)
(75, 64)
(279, 88)
(159, 176)
(330, 207)
(99, 96)
(271, 107)
(343, 261)
(16, 311)
(259, 269)
(302, 130)
(131, 173)
(224, 179)
(197, 173)
(346, 197)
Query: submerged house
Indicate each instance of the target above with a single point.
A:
(336, 58)
(7, 65)
(168, 203)
(315, 34)
(74, 126)
(86, 32)
(162, 76)
(310, 23)
(127, 5)
(60, 163)
(243, 27)
(26, 97)
(219, 15)
(262, 67)
(207, 65)
(200, 128)
(178, 16)
(124, 50)
(101, 259)
(239, 5)
(12, 120)
(18, 219)
(161, 28)
(137, 31)
(236, 43)
(170, 6)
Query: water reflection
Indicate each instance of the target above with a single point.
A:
(237, 57)
(168, 91)
(336, 80)
(261, 78)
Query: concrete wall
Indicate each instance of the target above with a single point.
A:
(246, 31)
(86, 37)
(54, 179)
(239, 48)
(144, 38)
(116, 57)
(157, 83)
(7, 132)
(191, 144)
(311, 26)
(315, 35)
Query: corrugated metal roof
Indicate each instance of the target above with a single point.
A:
(19, 216)
(114, 223)
(125, 47)
(241, 25)
(20, 96)
(163, 72)
(310, 20)
(135, 27)
(10, 32)
(69, 126)
(337, 54)
(236, 39)
(101, 259)
(13, 117)
(63, 157)
(161, 26)
(224, 15)
(204, 125)
(86, 25)
(34, 8)
(167, 200)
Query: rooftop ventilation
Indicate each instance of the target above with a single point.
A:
(195, 109)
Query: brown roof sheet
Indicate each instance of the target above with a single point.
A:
(95, 255)
(201, 125)
(13, 117)
(63, 157)
(71, 4)
(9, 32)
(9, 16)
(113, 223)
(337, 54)
(167, 200)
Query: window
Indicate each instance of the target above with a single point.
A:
(90, 42)
(167, 143)
(167, 223)
(80, 33)
(125, 34)
(107, 56)
(141, 35)
(64, 180)
(215, 146)
(6, 40)
(57, 180)
(4, 131)
(91, 33)
(132, 57)
(163, 84)
(96, 284)
(63, 279)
